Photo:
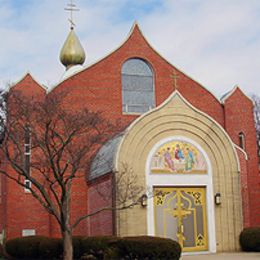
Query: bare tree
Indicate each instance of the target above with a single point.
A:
(256, 100)
(62, 142)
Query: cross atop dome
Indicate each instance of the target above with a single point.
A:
(72, 52)
(71, 7)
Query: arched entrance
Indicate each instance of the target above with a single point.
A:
(176, 120)
(179, 173)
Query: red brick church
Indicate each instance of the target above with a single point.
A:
(182, 140)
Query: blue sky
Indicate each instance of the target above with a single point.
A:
(215, 42)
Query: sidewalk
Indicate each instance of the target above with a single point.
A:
(224, 256)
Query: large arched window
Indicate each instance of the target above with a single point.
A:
(137, 86)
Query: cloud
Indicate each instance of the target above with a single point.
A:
(215, 42)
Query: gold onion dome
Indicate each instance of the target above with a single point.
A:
(72, 52)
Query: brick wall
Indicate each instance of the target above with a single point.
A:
(239, 118)
(100, 196)
(99, 88)
(244, 187)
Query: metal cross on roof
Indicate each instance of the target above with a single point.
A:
(175, 77)
(71, 7)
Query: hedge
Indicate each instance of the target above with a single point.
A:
(34, 247)
(50, 248)
(250, 239)
(1, 251)
(146, 247)
(100, 248)
(24, 247)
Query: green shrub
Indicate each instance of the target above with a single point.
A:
(250, 239)
(1, 250)
(34, 247)
(112, 252)
(77, 246)
(50, 248)
(24, 247)
(146, 247)
(98, 246)
(101, 248)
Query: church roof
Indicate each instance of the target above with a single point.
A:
(104, 160)
(231, 92)
(71, 71)
(134, 33)
(227, 94)
(135, 29)
(24, 80)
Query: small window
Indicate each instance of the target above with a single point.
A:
(137, 86)
(27, 185)
(242, 140)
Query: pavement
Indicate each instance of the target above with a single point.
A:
(224, 256)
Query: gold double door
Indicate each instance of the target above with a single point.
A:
(180, 214)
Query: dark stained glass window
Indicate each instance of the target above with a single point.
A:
(137, 86)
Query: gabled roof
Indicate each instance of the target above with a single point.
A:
(134, 32)
(25, 78)
(232, 92)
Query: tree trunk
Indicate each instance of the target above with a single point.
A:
(67, 231)
(67, 245)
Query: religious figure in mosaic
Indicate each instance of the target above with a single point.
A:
(178, 153)
(168, 159)
(189, 160)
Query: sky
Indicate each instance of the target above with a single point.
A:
(217, 43)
